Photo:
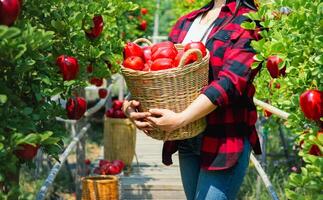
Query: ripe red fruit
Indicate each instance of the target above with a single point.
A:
(147, 53)
(119, 114)
(267, 113)
(168, 44)
(103, 93)
(26, 151)
(277, 85)
(119, 163)
(68, 66)
(110, 113)
(117, 105)
(273, 66)
(282, 71)
(311, 102)
(104, 170)
(9, 11)
(143, 25)
(76, 107)
(164, 52)
(89, 68)
(161, 64)
(134, 62)
(96, 81)
(315, 150)
(132, 49)
(113, 170)
(97, 29)
(97, 170)
(104, 162)
(144, 11)
(87, 161)
(196, 45)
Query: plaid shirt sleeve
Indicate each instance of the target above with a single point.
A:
(235, 74)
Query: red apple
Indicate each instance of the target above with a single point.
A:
(26, 151)
(87, 161)
(68, 66)
(97, 29)
(315, 150)
(119, 163)
(89, 68)
(96, 81)
(311, 102)
(144, 11)
(119, 114)
(97, 170)
(113, 169)
(103, 93)
(273, 66)
(76, 107)
(117, 105)
(104, 162)
(143, 25)
(110, 113)
(9, 11)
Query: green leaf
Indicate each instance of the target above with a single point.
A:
(3, 98)
(22, 49)
(28, 111)
(29, 139)
(249, 25)
(8, 33)
(1, 146)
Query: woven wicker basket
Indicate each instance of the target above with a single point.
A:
(119, 140)
(173, 89)
(100, 188)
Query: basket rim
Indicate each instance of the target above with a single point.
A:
(100, 178)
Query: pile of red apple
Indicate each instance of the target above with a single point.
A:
(109, 168)
(160, 56)
(116, 110)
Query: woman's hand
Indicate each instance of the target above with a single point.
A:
(139, 118)
(165, 119)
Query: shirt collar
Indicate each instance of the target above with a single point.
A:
(230, 6)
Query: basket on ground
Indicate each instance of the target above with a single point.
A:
(119, 140)
(100, 188)
(173, 89)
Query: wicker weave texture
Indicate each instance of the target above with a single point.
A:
(119, 140)
(173, 89)
(100, 188)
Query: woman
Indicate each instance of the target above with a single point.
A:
(214, 163)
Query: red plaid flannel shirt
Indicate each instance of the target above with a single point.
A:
(230, 87)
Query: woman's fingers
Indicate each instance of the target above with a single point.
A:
(139, 115)
(134, 103)
(143, 125)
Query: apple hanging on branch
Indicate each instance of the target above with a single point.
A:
(96, 30)
(68, 66)
(311, 102)
(273, 66)
(9, 11)
(76, 107)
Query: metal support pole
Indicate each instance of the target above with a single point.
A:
(156, 23)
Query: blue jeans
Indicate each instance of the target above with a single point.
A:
(200, 184)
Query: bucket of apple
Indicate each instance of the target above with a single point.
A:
(119, 135)
(167, 76)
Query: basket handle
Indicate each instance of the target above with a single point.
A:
(143, 40)
(189, 52)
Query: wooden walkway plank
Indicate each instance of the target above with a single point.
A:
(151, 179)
